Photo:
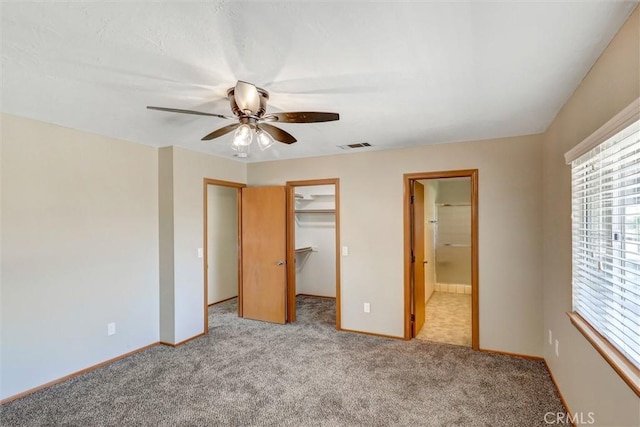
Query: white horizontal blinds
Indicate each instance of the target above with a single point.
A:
(606, 239)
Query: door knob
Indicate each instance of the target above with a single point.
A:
(280, 262)
(425, 262)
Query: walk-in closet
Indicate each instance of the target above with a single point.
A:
(315, 240)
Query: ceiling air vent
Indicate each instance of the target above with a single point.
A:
(351, 146)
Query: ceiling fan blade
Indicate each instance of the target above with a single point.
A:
(222, 131)
(198, 113)
(247, 97)
(278, 134)
(302, 117)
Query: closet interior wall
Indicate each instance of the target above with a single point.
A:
(453, 237)
(315, 228)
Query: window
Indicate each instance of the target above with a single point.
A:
(605, 190)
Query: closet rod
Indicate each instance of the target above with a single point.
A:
(315, 211)
(303, 250)
(447, 205)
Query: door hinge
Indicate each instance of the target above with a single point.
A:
(413, 198)
(413, 257)
(413, 317)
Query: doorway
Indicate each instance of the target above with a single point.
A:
(441, 256)
(447, 261)
(261, 296)
(313, 230)
(221, 244)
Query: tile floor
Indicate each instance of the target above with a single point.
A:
(448, 319)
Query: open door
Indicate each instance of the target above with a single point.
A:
(413, 293)
(264, 273)
(430, 216)
(417, 257)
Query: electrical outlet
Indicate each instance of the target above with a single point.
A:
(345, 250)
(557, 352)
(550, 337)
(200, 252)
(111, 328)
(367, 307)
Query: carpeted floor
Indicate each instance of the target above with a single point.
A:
(447, 319)
(249, 373)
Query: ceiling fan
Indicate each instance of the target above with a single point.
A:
(249, 106)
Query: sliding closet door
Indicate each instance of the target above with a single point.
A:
(264, 273)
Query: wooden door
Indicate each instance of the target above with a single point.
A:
(417, 259)
(430, 216)
(264, 273)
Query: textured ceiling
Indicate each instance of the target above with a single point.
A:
(399, 74)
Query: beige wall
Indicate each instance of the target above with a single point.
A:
(586, 381)
(85, 221)
(189, 168)
(79, 250)
(166, 242)
(371, 215)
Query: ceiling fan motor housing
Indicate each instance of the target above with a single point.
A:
(264, 97)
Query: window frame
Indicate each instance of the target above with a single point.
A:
(627, 370)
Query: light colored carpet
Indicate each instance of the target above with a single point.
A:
(447, 319)
(249, 373)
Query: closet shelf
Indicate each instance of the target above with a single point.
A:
(315, 211)
(310, 197)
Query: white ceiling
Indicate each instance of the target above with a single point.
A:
(399, 74)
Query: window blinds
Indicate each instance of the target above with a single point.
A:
(606, 239)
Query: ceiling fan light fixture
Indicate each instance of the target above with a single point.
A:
(242, 136)
(249, 106)
(264, 139)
